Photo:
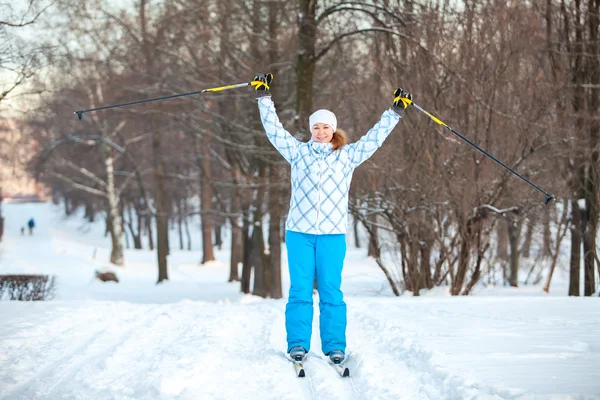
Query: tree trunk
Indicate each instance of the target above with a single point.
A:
(502, 242)
(162, 227)
(180, 217)
(237, 250)
(275, 289)
(218, 235)
(276, 175)
(550, 273)
(218, 222)
(575, 262)
(463, 264)
(413, 267)
(593, 177)
(395, 288)
(513, 241)
(124, 233)
(90, 212)
(404, 256)
(426, 280)
(246, 259)
(577, 73)
(188, 236)
(559, 237)
(275, 215)
(374, 248)
(526, 250)
(137, 242)
(114, 220)
(355, 230)
(67, 203)
(161, 209)
(547, 250)
(477, 271)
(228, 111)
(150, 232)
(305, 63)
(589, 259)
(205, 202)
(259, 261)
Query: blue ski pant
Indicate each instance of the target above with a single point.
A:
(323, 256)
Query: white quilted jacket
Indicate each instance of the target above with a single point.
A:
(321, 177)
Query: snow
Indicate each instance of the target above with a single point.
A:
(197, 337)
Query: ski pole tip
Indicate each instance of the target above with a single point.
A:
(79, 114)
(549, 198)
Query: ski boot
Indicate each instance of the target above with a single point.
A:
(297, 353)
(336, 356)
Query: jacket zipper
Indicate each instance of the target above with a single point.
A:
(319, 201)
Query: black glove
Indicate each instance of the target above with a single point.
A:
(402, 100)
(262, 88)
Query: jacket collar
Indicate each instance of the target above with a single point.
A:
(321, 149)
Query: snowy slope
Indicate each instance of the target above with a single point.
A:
(197, 337)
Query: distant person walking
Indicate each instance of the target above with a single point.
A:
(31, 225)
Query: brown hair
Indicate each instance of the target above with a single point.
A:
(339, 139)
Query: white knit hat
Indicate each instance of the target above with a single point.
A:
(324, 117)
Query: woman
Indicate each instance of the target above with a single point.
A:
(318, 217)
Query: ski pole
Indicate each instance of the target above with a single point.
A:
(549, 197)
(130, 103)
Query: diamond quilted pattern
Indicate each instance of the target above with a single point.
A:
(321, 177)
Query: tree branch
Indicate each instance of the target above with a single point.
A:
(21, 24)
(79, 186)
(338, 7)
(19, 80)
(343, 35)
(82, 170)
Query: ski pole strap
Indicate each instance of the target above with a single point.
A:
(258, 84)
(407, 102)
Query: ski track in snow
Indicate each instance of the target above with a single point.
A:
(191, 350)
(392, 364)
(158, 355)
(112, 352)
(321, 381)
(216, 348)
(410, 368)
(61, 367)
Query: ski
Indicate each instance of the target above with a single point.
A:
(298, 364)
(299, 367)
(341, 369)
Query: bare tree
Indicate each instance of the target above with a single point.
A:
(18, 61)
(431, 205)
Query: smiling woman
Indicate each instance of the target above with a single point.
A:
(318, 218)
(323, 125)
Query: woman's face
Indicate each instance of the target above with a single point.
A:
(322, 133)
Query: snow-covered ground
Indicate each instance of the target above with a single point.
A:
(197, 337)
